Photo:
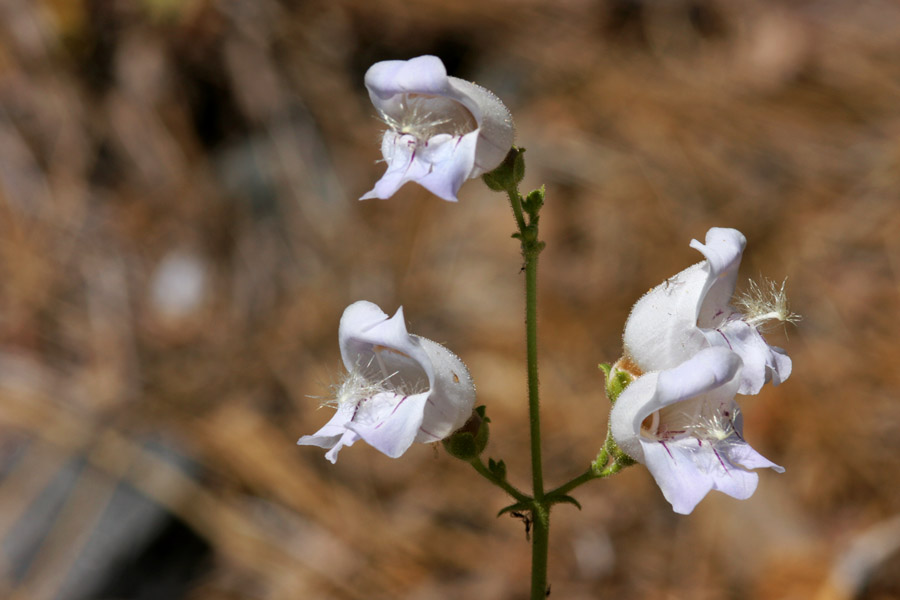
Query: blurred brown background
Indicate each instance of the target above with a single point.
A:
(179, 234)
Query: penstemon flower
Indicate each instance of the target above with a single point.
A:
(692, 310)
(441, 130)
(685, 426)
(399, 388)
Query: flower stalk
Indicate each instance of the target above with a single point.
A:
(526, 211)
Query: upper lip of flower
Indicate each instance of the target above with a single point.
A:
(692, 310)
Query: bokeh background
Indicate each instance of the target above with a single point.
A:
(180, 232)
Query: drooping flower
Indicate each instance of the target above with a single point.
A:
(441, 130)
(399, 388)
(685, 426)
(693, 310)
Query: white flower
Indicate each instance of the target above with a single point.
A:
(399, 389)
(441, 130)
(693, 310)
(685, 426)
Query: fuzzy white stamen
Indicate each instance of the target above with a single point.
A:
(423, 117)
(766, 305)
(717, 428)
(355, 387)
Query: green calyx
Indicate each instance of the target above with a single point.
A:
(510, 172)
(468, 442)
(616, 381)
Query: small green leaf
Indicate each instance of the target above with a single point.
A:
(566, 499)
(533, 203)
(514, 507)
(497, 469)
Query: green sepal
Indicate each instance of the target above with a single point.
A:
(616, 381)
(514, 507)
(511, 171)
(618, 456)
(625, 460)
(468, 442)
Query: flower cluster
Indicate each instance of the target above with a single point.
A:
(690, 347)
(690, 350)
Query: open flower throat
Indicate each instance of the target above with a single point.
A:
(710, 424)
(424, 116)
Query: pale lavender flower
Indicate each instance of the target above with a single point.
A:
(685, 426)
(692, 310)
(441, 130)
(399, 388)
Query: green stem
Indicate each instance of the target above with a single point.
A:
(501, 483)
(568, 487)
(540, 546)
(531, 248)
(506, 177)
(541, 514)
(515, 200)
(598, 469)
(534, 402)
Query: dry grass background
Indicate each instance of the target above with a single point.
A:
(179, 234)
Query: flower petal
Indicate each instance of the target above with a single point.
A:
(661, 331)
(449, 161)
(441, 166)
(714, 461)
(745, 456)
(723, 251)
(496, 131)
(680, 480)
(452, 395)
(333, 435)
(762, 362)
(420, 75)
(381, 347)
(394, 429)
